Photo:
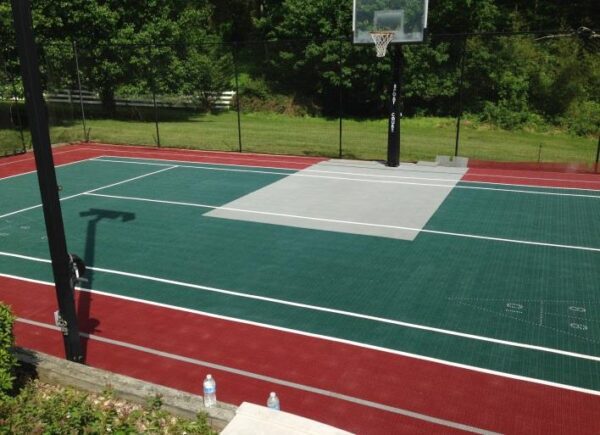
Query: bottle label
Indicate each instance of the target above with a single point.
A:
(210, 390)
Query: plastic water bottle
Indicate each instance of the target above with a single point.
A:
(210, 392)
(273, 401)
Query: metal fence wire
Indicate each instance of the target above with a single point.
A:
(325, 97)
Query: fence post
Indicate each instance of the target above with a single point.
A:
(155, 114)
(460, 93)
(237, 94)
(151, 73)
(86, 133)
(597, 155)
(341, 96)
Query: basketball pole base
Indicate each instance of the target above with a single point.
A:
(395, 106)
(46, 174)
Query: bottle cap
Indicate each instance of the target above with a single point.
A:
(273, 394)
(208, 376)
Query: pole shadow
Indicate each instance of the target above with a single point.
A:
(87, 324)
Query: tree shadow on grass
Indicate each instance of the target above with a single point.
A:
(148, 114)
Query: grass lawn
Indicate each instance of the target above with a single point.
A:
(422, 138)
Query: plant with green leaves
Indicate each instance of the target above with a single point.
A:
(7, 360)
(43, 408)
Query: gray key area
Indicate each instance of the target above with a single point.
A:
(365, 198)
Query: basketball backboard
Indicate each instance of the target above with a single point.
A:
(406, 18)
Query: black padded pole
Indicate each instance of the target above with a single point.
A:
(40, 137)
(395, 106)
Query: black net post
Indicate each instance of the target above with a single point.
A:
(235, 49)
(38, 122)
(395, 105)
(461, 77)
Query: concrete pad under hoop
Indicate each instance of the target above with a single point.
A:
(365, 198)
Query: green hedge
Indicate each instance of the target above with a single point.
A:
(7, 360)
(49, 409)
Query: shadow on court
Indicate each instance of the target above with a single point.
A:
(95, 215)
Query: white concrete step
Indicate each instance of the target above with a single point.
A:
(260, 420)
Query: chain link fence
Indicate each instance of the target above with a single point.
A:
(485, 97)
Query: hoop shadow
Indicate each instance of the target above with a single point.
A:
(87, 324)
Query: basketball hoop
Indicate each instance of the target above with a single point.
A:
(381, 40)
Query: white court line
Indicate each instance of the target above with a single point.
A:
(189, 164)
(57, 166)
(325, 160)
(225, 155)
(460, 180)
(258, 171)
(194, 152)
(452, 183)
(475, 174)
(533, 186)
(322, 337)
(325, 310)
(89, 191)
(228, 157)
(272, 380)
(395, 227)
(418, 168)
(27, 156)
(197, 165)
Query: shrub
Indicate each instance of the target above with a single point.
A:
(583, 118)
(253, 88)
(43, 408)
(7, 360)
(505, 116)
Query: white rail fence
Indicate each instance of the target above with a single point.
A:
(217, 101)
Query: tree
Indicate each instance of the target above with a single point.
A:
(137, 46)
(327, 61)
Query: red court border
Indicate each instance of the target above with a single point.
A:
(533, 174)
(21, 163)
(476, 399)
(481, 400)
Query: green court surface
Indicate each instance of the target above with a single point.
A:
(519, 298)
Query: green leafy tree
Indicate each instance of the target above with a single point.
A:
(323, 61)
(123, 45)
(328, 61)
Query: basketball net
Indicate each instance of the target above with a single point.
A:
(381, 40)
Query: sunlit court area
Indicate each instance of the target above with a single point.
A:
(384, 230)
